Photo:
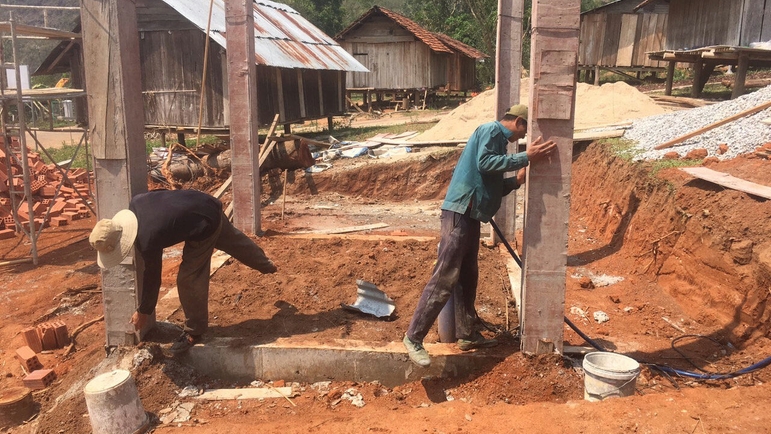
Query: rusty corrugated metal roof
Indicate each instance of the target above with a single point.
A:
(411, 26)
(457, 45)
(283, 38)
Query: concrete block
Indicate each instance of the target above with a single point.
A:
(40, 379)
(28, 359)
(32, 339)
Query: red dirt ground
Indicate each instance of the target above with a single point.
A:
(680, 245)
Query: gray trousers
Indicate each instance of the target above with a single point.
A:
(193, 277)
(456, 273)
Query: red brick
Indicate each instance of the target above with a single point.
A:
(62, 336)
(58, 221)
(32, 339)
(40, 379)
(7, 233)
(28, 359)
(47, 336)
(58, 206)
(70, 216)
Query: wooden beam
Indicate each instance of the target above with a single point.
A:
(508, 69)
(111, 60)
(553, 59)
(244, 138)
(740, 115)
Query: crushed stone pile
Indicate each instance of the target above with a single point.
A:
(742, 135)
(596, 106)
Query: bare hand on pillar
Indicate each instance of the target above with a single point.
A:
(538, 151)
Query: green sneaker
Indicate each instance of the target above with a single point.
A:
(417, 353)
(476, 341)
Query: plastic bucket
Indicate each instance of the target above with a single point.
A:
(609, 375)
(113, 404)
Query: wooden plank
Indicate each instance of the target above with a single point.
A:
(626, 39)
(247, 393)
(745, 113)
(271, 130)
(729, 181)
(220, 191)
(346, 229)
(265, 154)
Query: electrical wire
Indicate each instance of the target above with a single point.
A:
(663, 368)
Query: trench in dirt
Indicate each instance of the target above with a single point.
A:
(686, 251)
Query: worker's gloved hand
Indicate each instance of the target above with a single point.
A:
(270, 268)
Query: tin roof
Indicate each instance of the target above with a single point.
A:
(283, 38)
(429, 38)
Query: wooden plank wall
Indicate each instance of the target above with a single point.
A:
(621, 39)
(756, 21)
(698, 23)
(396, 65)
(172, 69)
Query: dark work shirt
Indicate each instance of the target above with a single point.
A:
(165, 218)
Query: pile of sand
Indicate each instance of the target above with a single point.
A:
(608, 104)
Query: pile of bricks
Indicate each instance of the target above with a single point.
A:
(46, 336)
(45, 179)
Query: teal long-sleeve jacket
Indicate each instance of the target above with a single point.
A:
(478, 179)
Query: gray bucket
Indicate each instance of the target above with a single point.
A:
(609, 375)
(113, 404)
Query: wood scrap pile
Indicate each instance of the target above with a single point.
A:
(59, 194)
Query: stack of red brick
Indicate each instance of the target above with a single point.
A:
(46, 178)
(46, 336)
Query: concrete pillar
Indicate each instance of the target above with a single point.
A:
(244, 140)
(554, 58)
(116, 132)
(508, 73)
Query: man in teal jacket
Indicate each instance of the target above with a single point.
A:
(474, 196)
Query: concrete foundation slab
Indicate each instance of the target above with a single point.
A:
(338, 360)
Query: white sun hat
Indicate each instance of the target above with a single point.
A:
(114, 238)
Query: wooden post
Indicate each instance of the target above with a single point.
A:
(111, 58)
(330, 124)
(597, 75)
(244, 138)
(741, 75)
(670, 77)
(698, 70)
(508, 73)
(554, 57)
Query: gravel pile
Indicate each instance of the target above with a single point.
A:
(741, 136)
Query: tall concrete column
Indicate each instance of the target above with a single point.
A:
(116, 132)
(553, 61)
(242, 91)
(508, 72)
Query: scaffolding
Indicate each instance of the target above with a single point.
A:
(14, 137)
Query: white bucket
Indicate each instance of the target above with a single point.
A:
(609, 375)
(113, 404)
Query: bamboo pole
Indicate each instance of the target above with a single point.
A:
(203, 79)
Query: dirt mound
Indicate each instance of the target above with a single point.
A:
(595, 106)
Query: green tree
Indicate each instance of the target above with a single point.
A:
(327, 15)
